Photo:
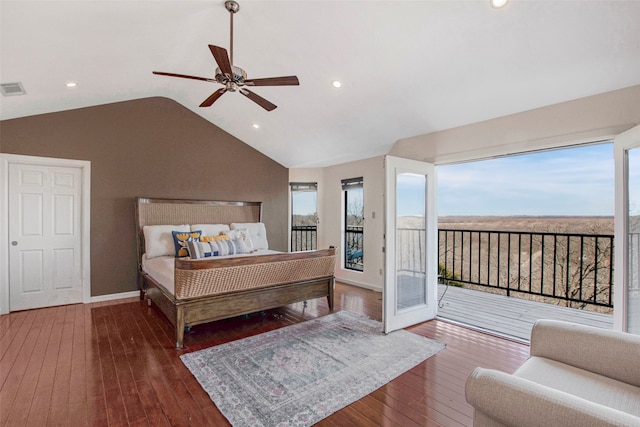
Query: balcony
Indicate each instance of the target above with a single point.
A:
(502, 281)
(507, 316)
(354, 248)
(304, 237)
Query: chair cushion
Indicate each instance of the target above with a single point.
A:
(587, 385)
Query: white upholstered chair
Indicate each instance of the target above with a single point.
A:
(576, 376)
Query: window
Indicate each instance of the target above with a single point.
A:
(304, 216)
(353, 190)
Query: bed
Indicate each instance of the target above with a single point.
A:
(195, 291)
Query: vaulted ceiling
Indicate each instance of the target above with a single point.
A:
(407, 67)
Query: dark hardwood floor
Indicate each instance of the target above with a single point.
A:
(113, 364)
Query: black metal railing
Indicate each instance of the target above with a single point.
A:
(304, 237)
(574, 268)
(411, 258)
(354, 249)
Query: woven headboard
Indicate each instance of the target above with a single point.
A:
(179, 211)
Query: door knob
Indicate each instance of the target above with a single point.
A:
(14, 243)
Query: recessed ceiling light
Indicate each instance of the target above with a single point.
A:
(336, 83)
(256, 126)
(71, 84)
(497, 4)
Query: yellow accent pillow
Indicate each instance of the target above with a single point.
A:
(206, 239)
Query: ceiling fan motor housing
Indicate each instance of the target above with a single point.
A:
(237, 80)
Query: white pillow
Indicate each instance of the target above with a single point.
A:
(158, 240)
(257, 232)
(243, 235)
(210, 229)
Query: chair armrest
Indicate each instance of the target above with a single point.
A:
(512, 401)
(605, 352)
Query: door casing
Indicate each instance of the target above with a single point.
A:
(85, 168)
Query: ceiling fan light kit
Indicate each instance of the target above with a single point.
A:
(497, 4)
(234, 79)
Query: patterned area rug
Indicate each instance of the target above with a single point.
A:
(300, 374)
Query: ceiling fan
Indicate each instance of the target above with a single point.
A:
(235, 78)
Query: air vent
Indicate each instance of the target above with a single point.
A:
(12, 89)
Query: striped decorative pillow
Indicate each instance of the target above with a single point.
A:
(199, 250)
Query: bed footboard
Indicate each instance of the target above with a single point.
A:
(194, 278)
(215, 289)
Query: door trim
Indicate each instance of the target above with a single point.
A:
(85, 169)
(624, 141)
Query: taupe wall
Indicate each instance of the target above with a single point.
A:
(153, 148)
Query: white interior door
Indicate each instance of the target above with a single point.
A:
(45, 235)
(410, 285)
(627, 231)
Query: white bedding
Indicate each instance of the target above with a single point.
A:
(161, 268)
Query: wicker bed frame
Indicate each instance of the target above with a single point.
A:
(213, 289)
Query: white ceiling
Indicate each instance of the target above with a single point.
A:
(407, 67)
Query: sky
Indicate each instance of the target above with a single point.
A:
(304, 202)
(573, 181)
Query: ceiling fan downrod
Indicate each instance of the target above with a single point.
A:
(233, 7)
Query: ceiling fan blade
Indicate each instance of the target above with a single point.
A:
(213, 98)
(222, 58)
(184, 76)
(273, 81)
(258, 100)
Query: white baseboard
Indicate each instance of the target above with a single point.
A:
(360, 284)
(110, 297)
